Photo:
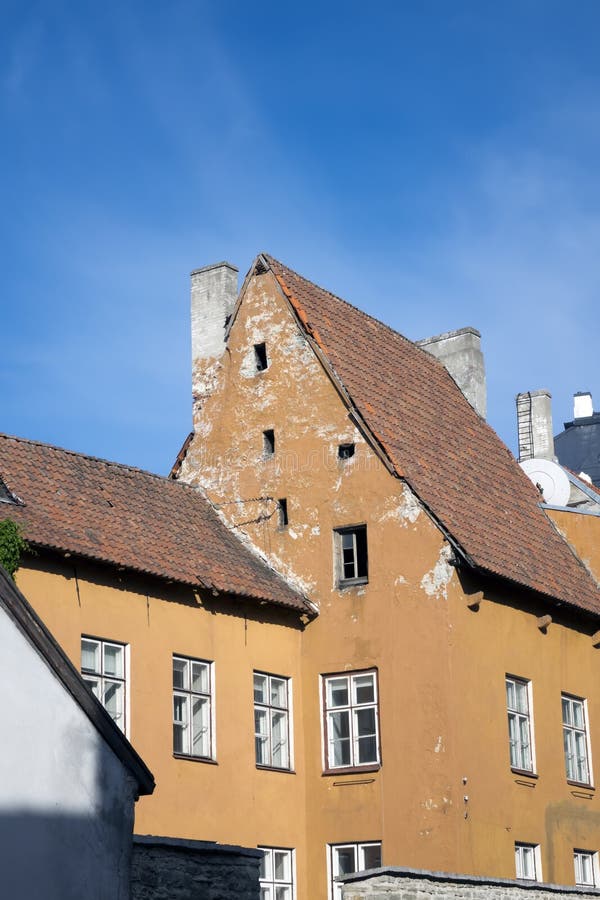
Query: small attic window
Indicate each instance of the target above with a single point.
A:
(268, 442)
(260, 357)
(5, 494)
(282, 512)
(346, 451)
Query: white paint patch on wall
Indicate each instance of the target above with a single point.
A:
(405, 511)
(435, 582)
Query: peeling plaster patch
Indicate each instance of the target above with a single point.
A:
(439, 746)
(400, 580)
(406, 511)
(315, 531)
(292, 534)
(435, 581)
(205, 379)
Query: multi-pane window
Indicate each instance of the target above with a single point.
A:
(519, 723)
(276, 874)
(192, 707)
(575, 739)
(351, 720)
(586, 868)
(351, 555)
(271, 720)
(103, 670)
(344, 859)
(527, 862)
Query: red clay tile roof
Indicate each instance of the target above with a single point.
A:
(447, 453)
(116, 514)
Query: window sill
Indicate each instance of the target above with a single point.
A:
(276, 769)
(351, 582)
(581, 784)
(197, 759)
(524, 773)
(352, 770)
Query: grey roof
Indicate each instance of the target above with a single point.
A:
(578, 446)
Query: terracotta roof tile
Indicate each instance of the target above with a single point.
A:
(121, 515)
(449, 455)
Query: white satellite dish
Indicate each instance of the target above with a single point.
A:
(552, 479)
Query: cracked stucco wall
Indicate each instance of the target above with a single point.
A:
(440, 665)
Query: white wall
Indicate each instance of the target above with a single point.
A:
(66, 801)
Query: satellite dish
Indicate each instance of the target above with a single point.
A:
(552, 479)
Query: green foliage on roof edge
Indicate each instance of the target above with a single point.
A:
(12, 545)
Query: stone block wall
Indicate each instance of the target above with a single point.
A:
(414, 884)
(173, 869)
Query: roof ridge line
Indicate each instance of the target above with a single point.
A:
(357, 309)
(99, 459)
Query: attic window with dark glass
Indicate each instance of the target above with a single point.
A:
(345, 451)
(260, 357)
(282, 512)
(351, 555)
(268, 443)
(5, 494)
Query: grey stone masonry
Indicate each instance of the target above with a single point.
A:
(214, 292)
(415, 884)
(534, 425)
(173, 869)
(460, 352)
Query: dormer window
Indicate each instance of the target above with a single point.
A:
(346, 451)
(5, 494)
(260, 357)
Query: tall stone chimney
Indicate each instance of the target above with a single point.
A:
(534, 425)
(214, 293)
(460, 352)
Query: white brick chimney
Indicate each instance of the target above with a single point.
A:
(214, 294)
(583, 408)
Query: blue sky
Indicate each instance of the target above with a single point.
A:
(434, 162)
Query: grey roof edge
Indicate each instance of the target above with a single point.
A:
(427, 875)
(151, 840)
(38, 635)
(217, 265)
(456, 332)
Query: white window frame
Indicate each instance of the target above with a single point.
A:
(334, 889)
(272, 710)
(100, 676)
(339, 536)
(570, 733)
(580, 857)
(188, 694)
(525, 854)
(514, 714)
(352, 708)
(268, 882)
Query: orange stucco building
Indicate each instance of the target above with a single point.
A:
(349, 632)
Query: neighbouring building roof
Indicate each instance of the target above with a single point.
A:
(448, 454)
(34, 630)
(578, 446)
(117, 514)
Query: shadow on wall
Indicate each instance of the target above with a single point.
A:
(59, 857)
